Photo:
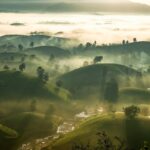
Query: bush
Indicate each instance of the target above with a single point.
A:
(131, 111)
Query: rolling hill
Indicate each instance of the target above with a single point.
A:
(134, 132)
(11, 56)
(11, 42)
(16, 85)
(141, 46)
(29, 126)
(48, 51)
(81, 81)
(6, 132)
(133, 47)
(58, 6)
(7, 136)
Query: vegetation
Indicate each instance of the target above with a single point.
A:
(131, 111)
(15, 85)
(133, 131)
(63, 93)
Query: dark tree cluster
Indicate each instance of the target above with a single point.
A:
(131, 112)
(22, 67)
(42, 75)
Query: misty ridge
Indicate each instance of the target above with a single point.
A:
(125, 7)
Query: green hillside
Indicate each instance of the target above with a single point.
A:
(134, 94)
(95, 76)
(142, 46)
(29, 126)
(6, 132)
(16, 85)
(133, 131)
(48, 51)
(8, 136)
(11, 42)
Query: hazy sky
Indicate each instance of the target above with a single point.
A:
(142, 1)
(120, 1)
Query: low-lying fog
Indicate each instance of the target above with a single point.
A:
(105, 28)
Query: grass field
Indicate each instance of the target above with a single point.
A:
(133, 131)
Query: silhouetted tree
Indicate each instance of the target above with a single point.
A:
(22, 67)
(32, 44)
(131, 111)
(45, 77)
(20, 47)
(134, 40)
(59, 83)
(127, 42)
(123, 42)
(97, 59)
(40, 72)
(42, 75)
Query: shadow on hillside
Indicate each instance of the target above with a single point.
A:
(134, 133)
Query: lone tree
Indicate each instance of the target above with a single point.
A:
(32, 44)
(97, 59)
(123, 42)
(111, 91)
(134, 40)
(20, 47)
(22, 67)
(131, 112)
(59, 83)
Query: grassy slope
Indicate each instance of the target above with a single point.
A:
(16, 85)
(137, 46)
(7, 132)
(93, 73)
(135, 94)
(93, 76)
(29, 126)
(134, 131)
(48, 50)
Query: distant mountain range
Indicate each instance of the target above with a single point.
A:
(125, 7)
